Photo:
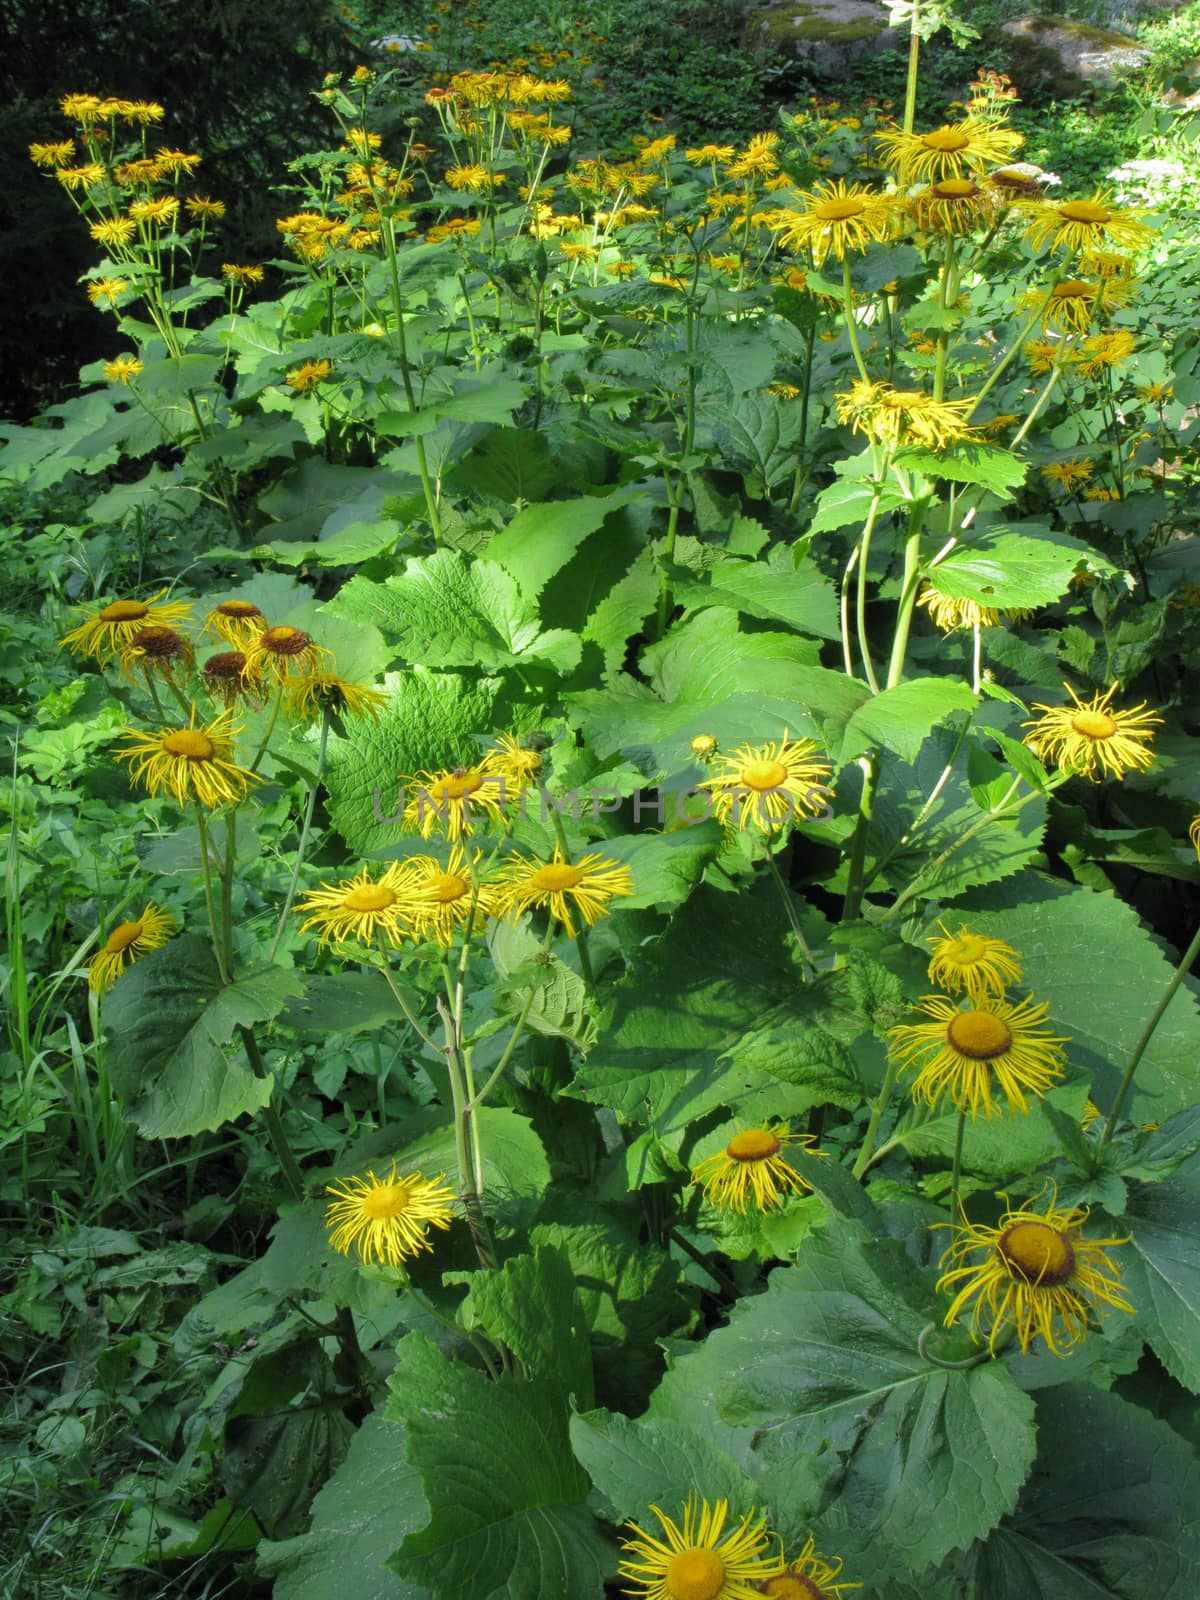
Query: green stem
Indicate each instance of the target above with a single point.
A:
(860, 595)
(855, 885)
(877, 1110)
(956, 1170)
(497, 1073)
(227, 870)
(288, 1164)
(851, 324)
(206, 872)
(1139, 1049)
(914, 56)
(789, 908)
(304, 832)
(262, 749)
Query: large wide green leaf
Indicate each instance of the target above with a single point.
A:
(1014, 570)
(169, 1022)
(508, 1518)
(1161, 1267)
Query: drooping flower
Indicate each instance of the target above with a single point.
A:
(106, 291)
(106, 631)
(204, 209)
(905, 416)
(953, 205)
(952, 612)
(1194, 835)
(191, 763)
(518, 765)
(1092, 736)
(970, 1053)
(283, 652)
(387, 1219)
(1067, 474)
(52, 155)
(766, 786)
(586, 886)
(450, 802)
(694, 1562)
(834, 219)
(159, 652)
(127, 942)
(1034, 1274)
(308, 376)
(956, 148)
(360, 907)
(314, 692)
(1105, 350)
(751, 1167)
(1076, 226)
(224, 676)
(241, 276)
(974, 962)
(237, 622)
(808, 1576)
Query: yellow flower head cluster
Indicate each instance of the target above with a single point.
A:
(904, 416)
(955, 150)
(1092, 737)
(833, 219)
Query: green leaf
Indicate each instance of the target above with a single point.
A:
(541, 539)
(666, 867)
(278, 1454)
(561, 1006)
(1161, 1270)
(1013, 570)
(428, 725)
(511, 464)
(168, 1021)
(967, 462)
(926, 1460)
(447, 610)
(1087, 955)
(1109, 1512)
(529, 1304)
(901, 719)
(361, 1515)
(774, 589)
(342, 1002)
(846, 502)
(508, 1518)
(636, 1465)
(516, 1173)
(758, 431)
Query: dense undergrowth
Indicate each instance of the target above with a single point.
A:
(601, 874)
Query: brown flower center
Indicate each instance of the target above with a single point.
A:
(556, 876)
(228, 664)
(386, 1200)
(237, 608)
(446, 887)
(1086, 211)
(694, 1575)
(764, 775)
(368, 897)
(946, 141)
(754, 1144)
(124, 611)
(284, 641)
(1094, 724)
(955, 189)
(793, 1586)
(978, 1034)
(1037, 1252)
(122, 936)
(189, 744)
(161, 643)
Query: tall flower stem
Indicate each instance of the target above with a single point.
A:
(785, 895)
(288, 1164)
(914, 57)
(851, 323)
(209, 901)
(956, 1170)
(877, 1110)
(1139, 1049)
(302, 846)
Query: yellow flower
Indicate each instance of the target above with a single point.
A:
(114, 230)
(143, 170)
(52, 155)
(1043, 354)
(306, 377)
(315, 692)
(387, 1219)
(85, 177)
(955, 148)
(904, 416)
(1074, 302)
(158, 212)
(224, 676)
(190, 763)
(765, 786)
(122, 370)
(974, 962)
(967, 1053)
(751, 1167)
(157, 650)
(451, 801)
(1077, 226)
(473, 177)
(204, 209)
(694, 1562)
(1035, 1273)
(1194, 834)
(106, 289)
(1075, 470)
(514, 763)
(1091, 735)
(954, 205)
(360, 907)
(808, 1577)
(951, 612)
(241, 275)
(705, 154)
(438, 899)
(108, 630)
(142, 111)
(456, 228)
(757, 159)
(1106, 350)
(238, 622)
(281, 653)
(586, 885)
(127, 942)
(835, 218)
(176, 161)
(704, 746)
(84, 108)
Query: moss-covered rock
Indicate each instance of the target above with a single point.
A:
(1062, 58)
(827, 34)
